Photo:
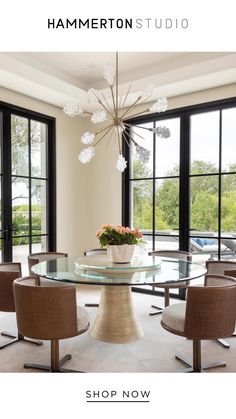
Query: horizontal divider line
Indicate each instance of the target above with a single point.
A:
(117, 401)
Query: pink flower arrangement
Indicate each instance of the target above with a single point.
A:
(109, 234)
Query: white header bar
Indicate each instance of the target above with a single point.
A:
(103, 25)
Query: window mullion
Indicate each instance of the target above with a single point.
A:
(219, 184)
(184, 190)
(154, 192)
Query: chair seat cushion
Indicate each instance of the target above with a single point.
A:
(82, 319)
(174, 317)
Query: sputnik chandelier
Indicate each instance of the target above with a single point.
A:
(114, 113)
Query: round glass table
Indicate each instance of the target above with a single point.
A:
(116, 320)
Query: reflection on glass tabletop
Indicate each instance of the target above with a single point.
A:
(139, 272)
(101, 263)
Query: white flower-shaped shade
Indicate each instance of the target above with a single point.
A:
(109, 73)
(72, 109)
(161, 105)
(87, 138)
(86, 155)
(162, 132)
(148, 91)
(98, 116)
(121, 163)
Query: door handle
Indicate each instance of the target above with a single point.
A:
(7, 233)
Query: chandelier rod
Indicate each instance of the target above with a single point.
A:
(135, 131)
(111, 133)
(102, 104)
(127, 93)
(108, 129)
(138, 126)
(139, 113)
(105, 100)
(116, 110)
(127, 140)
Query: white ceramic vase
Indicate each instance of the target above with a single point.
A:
(120, 253)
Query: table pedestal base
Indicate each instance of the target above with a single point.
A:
(116, 320)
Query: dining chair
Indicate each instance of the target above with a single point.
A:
(48, 313)
(177, 254)
(209, 312)
(94, 252)
(8, 273)
(35, 258)
(219, 267)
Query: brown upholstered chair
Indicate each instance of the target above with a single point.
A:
(42, 257)
(218, 267)
(8, 273)
(177, 254)
(208, 313)
(48, 313)
(93, 252)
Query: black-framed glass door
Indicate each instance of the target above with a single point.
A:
(213, 182)
(27, 183)
(191, 205)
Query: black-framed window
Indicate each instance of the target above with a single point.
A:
(184, 195)
(28, 183)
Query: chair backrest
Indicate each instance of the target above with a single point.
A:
(219, 266)
(215, 280)
(45, 312)
(8, 273)
(230, 272)
(177, 254)
(211, 310)
(93, 252)
(42, 257)
(10, 267)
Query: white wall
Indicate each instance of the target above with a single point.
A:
(89, 195)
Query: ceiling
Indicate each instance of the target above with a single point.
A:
(58, 77)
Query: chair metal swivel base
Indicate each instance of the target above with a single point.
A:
(56, 364)
(223, 343)
(160, 310)
(49, 368)
(196, 365)
(166, 303)
(18, 338)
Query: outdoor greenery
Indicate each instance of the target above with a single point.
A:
(204, 199)
(20, 146)
(20, 223)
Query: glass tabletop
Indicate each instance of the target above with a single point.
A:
(158, 271)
